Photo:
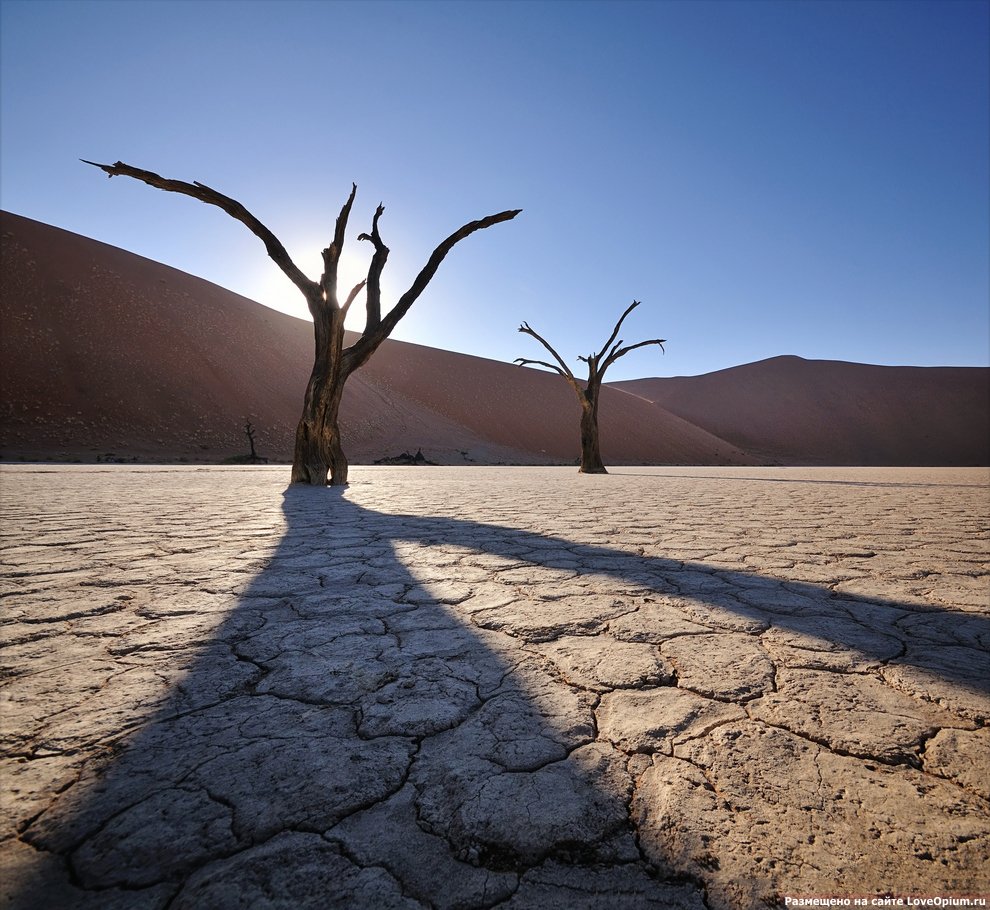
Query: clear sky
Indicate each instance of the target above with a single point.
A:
(768, 178)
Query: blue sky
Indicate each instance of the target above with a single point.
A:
(768, 178)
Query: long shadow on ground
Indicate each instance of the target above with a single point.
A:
(360, 732)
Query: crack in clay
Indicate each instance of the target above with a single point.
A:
(905, 760)
(602, 577)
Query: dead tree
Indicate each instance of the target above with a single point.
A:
(249, 429)
(319, 457)
(588, 394)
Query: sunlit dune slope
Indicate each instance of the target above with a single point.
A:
(104, 353)
(796, 411)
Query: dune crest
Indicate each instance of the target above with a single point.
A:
(823, 412)
(106, 355)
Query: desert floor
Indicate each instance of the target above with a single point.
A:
(493, 687)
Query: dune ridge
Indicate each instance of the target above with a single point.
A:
(106, 355)
(815, 412)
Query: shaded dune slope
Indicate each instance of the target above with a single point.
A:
(105, 353)
(795, 411)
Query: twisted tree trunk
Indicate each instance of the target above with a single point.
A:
(319, 455)
(588, 393)
(591, 456)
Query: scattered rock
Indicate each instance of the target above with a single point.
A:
(405, 459)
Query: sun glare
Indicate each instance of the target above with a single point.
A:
(276, 291)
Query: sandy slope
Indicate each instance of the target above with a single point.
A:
(107, 352)
(825, 412)
(102, 351)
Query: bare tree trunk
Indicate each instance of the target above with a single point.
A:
(318, 458)
(591, 456)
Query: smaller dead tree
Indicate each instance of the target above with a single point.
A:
(249, 429)
(589, 392)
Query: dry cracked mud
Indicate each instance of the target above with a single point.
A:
(461, 688)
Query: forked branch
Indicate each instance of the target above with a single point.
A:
(331, 256)
(562, 367)
(621, 352)
(615, 332)
(232, 207)
(374, 305)
(373, 336)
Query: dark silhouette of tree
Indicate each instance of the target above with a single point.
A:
(319, 457)
(249, 430)
(588, 393)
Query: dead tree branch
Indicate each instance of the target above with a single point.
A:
(374, 299)
(366, 345)
(232, 207)
(564, 369)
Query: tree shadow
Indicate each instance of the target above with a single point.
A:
(738, 475)
(376, 725)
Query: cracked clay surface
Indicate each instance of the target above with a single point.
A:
(461, 688)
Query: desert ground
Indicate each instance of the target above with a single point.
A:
(474, 687)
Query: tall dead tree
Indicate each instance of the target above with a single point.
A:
(319, 457)
(588, 393)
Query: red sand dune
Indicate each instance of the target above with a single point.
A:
(796, 411)
(106, 353)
